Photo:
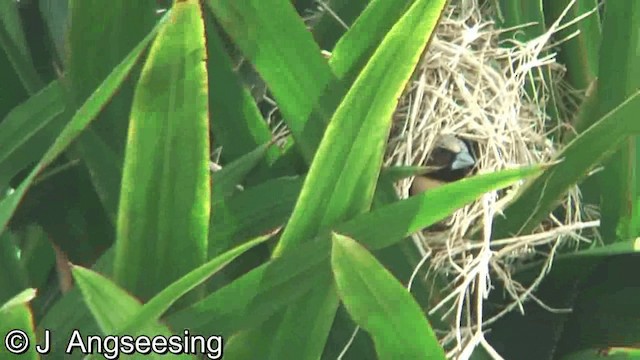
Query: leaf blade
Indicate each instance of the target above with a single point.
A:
(162, 233)
(381, 305)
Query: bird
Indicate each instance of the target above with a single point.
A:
(449, 161)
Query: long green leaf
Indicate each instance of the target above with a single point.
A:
(226, 179)
(163, 219)
(236, 122)
(29, 129)
(351, 153)
(13, 278)
(55, 14)
(381, 305)
(541, 195)
(262, 208)
(103, 296)
(261, 292)
(159, 304)
(85, 114)
(105, 168)
(610, 353)
(12, 40)
(98, 35)
(309, 97)
(357, 45)
(256, 296)
(619, 55)
(16, 321)
(296, 74)
(352, 147)
(253, 211)
(580, 53)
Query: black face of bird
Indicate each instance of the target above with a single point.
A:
(452, 161)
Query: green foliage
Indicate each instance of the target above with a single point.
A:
(161, 245)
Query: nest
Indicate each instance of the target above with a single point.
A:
(470, 85)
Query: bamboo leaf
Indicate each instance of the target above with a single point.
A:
(102, 296)
(256, 296)
(381, 305)
(12, 40)
(163, 219)
(29, 129)
(590, 148)
(16, 320)
(352, 147)
(85, 114)
(159, 304)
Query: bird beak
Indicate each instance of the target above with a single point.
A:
(463, 160)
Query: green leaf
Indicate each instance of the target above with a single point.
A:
(37, 255)
(579, 53)
(12, 40)
(85, 114)
(329, 30)
(315, 85)
(351, 153)
(405, 217)
(619, 55)
(29, 129)
(159, 304)
(252, 212)
(236, 122)
(610, 353)
(541, 195)
(13, 278)
(12, 23)
(55, 16)
(257, 295)
(322, 298)
(618, 248)
(352, 147)
(224, 182)
(605, 309)
(381, 305)
(356, 46)
(98, 35)
(15, 315)
(71, 312)
(163, 220)
(296, 74)
(264, 207)
(103, 296)
(261, 292)
(105, 168)
(226, 179)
